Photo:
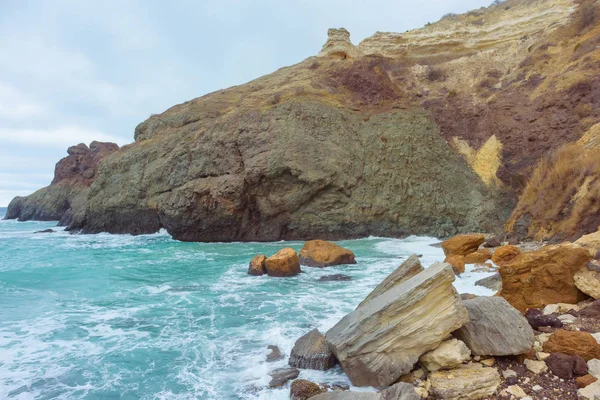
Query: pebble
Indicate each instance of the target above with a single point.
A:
(567, 318)
(537, 388)
(550, 309)
(517, 391)
(508, 373)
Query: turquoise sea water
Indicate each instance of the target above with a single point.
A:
(146, 317)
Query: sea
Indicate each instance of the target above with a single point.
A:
(147, 317)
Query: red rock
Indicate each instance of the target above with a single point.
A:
(504, 254)
(462, 244)
(319, 253)
(457, 262)
(585, 380)
(284, 263)
(478, 257)
(257, 265)
(538, 278)
(575, 343)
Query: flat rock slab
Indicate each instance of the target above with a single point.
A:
(311, 352)
(383, 338)
(495, 329)
(464, 383)
(280, 376)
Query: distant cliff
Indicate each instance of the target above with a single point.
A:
(433, 131)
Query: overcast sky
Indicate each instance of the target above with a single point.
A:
(74, 71)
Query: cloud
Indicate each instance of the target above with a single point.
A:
(62, 136)
(15, 105)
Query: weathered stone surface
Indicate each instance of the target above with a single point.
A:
(281, 376)
(302, 389)
(275, 354)
(566, 366)
(537, 367)
(400, 391)
(588, 282)
(585, 380)
(464, 383)
(591, 311)
(577, 343)
(448, 355)
(409, 268)
(257, 265)
(462, 244)
(478, 256)
(320, 253)
(457, 262)
(283, 263)
(311, 352)
(495, 328)
(537, 319)
(383, 338)
(590, 242)
(494, 241)
(504, 254)
(537, 278)
(338, 45)
(590, 392)
(493, 282)
(347, 395)
(594, 367)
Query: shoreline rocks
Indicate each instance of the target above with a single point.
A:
(383, 338)
(283, 263)
(320, 253)
(257, 265)
(311, 352)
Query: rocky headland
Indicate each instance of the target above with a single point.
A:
(467, 124)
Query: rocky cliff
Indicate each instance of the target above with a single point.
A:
(433, 131)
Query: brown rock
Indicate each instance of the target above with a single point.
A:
(302, 389)
(478, 257)
(577, 343)
(566, 366)
(495, 241)
(462, 244)
(284, 263)
(457, 262)
(319, 253)
(504, 254)
(537, 278)
(257, 265)
(585, 380)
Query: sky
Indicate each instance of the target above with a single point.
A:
(74, 71)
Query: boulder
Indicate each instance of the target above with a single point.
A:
(302, 389)
(493, 282)
(594, 367)
(495, 328)
(478, 257)
(448, 355)
(280, 376)
(585, 380)
(577, 343)
(334, 277)
(537, 367)
(494, 241)
(590, 392)
(383, 338)
(504, 254)
(347, 395)
(311, 352)
(400, 391)
(284, 263)
(464, 383)
(275, 354)
(537, 278)
(319, 253)
(462, 244)
(588, 282)
(566, 366)
(257, 265)
(537, 319)
(457, 262)
(590, 242)
(409, 268)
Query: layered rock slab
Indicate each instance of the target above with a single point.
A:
(495, 328)
(383, 338)
(464, 383)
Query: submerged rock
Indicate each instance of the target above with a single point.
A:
(319, 253)
(281, 376)
(311, 352)
(275, 354)
(495, 328)
(257, 265)
(383, 338)
(45, 231)
(283, 263)
(334, 277)
(409, 268)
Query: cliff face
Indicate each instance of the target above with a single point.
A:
(66, 196)
(433, 131)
